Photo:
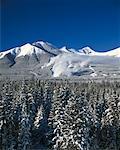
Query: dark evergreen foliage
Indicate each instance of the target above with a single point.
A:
(59, 115)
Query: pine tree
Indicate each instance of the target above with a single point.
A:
(38, 117)
(24, 136)
(8, 138)
(110, 119)
(60, 97)
(71, 125)
(1, 119)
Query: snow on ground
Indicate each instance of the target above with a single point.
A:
(69, 64)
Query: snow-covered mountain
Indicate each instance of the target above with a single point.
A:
(114, 52)
(43, 59)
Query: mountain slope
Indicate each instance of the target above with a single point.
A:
(114, 52)
(42, 59)
(47, 47)
(78, 65)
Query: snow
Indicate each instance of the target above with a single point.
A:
(2, 54)
(89, 51)
(93, 74)
(105, 75)
(29, 49)
(45, 44)
(118, 104)
(26, 49)
(47, 47)
(69, 64)
(64, 49)
(13, 51)
(70, 50)
(38, 117)
(115, 52)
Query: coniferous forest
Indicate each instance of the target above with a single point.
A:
(59, 115)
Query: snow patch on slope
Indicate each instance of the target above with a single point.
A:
(64, 49)
(14, 52)
(87, 50)
(113, 53)
(29, 49)
(47, 47)
(26, 49)
(69, 65)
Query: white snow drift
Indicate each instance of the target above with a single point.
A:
(78, 65)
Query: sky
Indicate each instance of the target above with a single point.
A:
(74, 23)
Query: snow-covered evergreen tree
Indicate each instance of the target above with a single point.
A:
(87, 121)
(1, 119)
(24, 136)
(110, 119)
(59, 115)
(60, 98)
(8, 137)
(38, 117)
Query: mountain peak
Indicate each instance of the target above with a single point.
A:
(44, 59)
(26, 49)
(47, 47)
(39, 42)
(64, 49)
(87, 50)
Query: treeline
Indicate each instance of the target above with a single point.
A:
(59, 115)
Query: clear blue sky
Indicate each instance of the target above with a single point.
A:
(75, 23)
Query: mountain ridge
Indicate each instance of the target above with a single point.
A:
(44, 59)
(45, 45)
